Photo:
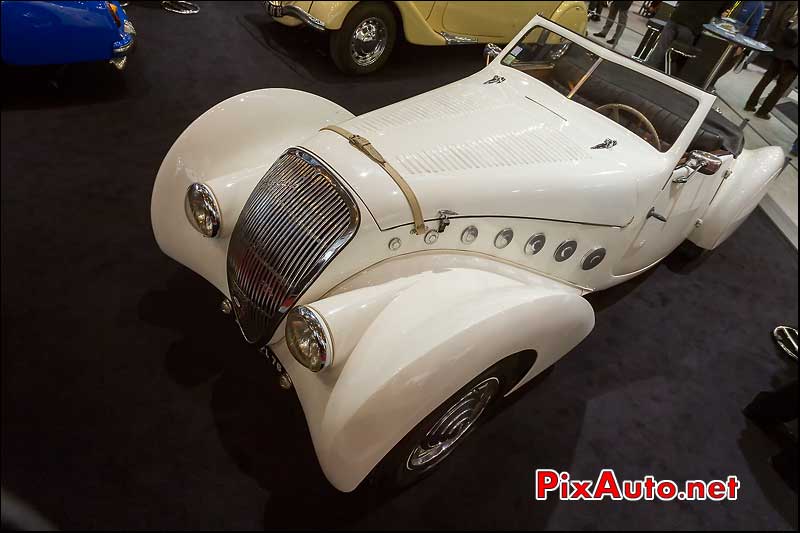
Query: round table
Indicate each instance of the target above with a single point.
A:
(735, 40)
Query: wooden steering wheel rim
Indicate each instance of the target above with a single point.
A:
(643, 119)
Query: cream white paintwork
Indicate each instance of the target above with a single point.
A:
(390, 349)
(229, 148)
(412, 326)
(744, 188)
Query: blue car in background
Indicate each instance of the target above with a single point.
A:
(57, 33)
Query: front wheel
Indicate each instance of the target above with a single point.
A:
(365, 40)
(432, 440)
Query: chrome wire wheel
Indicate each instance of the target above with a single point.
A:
(368, 41)
(181, 7)
(454, 424)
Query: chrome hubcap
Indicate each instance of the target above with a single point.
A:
(181, 7)
(368, 41)
(786, 339)
(440, 440)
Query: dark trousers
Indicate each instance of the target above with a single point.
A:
(672, 32)
(785, 72)
(775, 406)
(596, 7)
(614, 12)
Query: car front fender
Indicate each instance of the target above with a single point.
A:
(404, 345)
(738, 195)
(229, 148)
(572, 15)
(332, 14)
(50, 33)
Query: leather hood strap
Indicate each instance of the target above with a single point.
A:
(365, 147)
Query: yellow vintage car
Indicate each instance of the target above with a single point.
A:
(362, 34)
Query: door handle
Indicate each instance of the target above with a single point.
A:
(686, 178)
(652, 214)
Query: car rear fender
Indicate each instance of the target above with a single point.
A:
(738, 195)
(572, 15)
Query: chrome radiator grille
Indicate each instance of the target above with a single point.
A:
(296, 220)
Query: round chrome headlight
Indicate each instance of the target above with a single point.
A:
(308, 338)
(202, 210)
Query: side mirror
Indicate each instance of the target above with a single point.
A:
(491, 51)
(702, 162)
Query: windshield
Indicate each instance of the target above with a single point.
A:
(652, 110)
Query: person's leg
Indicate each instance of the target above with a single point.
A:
(769, 75)
(680, 33)
(656, 57)
(786, 75)
(599, 11)
(612, 14)
(775, 406)
(684, 35)
(622, 21)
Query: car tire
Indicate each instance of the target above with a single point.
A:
(366, 38)
(413, 459)
(687, 258)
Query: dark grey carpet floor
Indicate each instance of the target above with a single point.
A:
(128, 401)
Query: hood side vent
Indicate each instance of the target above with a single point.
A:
(527, 147)
(433, 108)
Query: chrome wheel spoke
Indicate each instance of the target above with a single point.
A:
(368, 41)
(446, 432)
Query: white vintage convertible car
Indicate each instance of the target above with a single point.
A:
(406, 268)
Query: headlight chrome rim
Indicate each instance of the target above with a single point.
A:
(200, 200)
(319, 332)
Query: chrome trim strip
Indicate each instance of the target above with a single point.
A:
(547, 108)
(125, 48)
(584, 289)
(300, 14)
(119, 62)
(578, 222)
(452, 38)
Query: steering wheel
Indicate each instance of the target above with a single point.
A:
(643, 119)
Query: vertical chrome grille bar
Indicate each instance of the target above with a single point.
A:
(296, 220)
